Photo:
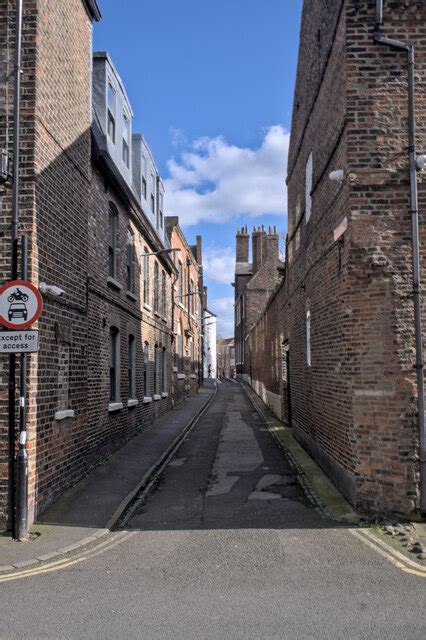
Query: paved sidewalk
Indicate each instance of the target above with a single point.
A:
(321, 490)
(89, 509)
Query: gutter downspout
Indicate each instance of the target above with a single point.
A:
(419, 366)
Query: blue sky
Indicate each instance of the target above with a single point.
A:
(211, 86)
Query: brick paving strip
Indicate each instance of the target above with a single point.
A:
(90, 509)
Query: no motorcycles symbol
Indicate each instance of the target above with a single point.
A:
(20, 304)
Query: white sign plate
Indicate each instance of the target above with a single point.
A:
(18, 341)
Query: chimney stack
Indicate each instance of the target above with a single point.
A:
(272, 246)
(259, 248)
(243, 238)
(199, 250)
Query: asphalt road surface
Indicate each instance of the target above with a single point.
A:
(225, 547)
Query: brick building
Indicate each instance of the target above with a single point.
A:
(91, 202)
(344, 313)
(130, 273)
(54, 201)
(253, 284)
(187, 312)
(225, 358)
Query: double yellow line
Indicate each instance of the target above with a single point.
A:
(394, 556)
(68, 562)
(36, 571)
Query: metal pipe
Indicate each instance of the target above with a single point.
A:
(21, 516)
(14, 258)
(379, 13)
(412, 152)
(16, 137)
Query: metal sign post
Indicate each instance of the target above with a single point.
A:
(14, 253)
(21, 515)
(20, 306)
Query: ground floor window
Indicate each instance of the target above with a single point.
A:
(114, 364)
(180, 349)
(164, 364)
(131, 367)
(146, 369)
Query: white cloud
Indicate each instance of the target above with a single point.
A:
(219, 264)
(178, 137)
(224, 308)
(216, 181)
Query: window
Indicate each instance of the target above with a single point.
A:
(153, 191)
(112, 245)
(156, 288)
(179, 346)
(111, 112)
(192, 352)
(157, 377)
(160, 207)
(308, 338)
(164, 369)
(180, 281)
(132, 368)
(146, 277)
(130, 279)
(308, 188)
(126, 139)
(144, 166)
(191, 297)
(159, 197)
(163, 295)
(146, 370)
(114, 364)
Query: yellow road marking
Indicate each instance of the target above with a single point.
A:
(104, 546)
(394, 552)
(47, 568)
(386, 554)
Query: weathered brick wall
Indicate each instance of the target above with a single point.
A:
(7, 46)
(385, 426)
(54, 202)
(112, 305)
(264, 353)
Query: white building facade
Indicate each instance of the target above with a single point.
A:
(210, 322)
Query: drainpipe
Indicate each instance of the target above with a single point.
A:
(409, 49)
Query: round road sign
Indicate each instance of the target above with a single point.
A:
(20, 304)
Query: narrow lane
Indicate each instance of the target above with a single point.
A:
(229, 474)
(226, 546)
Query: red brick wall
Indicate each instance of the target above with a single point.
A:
(54, 202)
(264, 353)
(187, 381)
(385, 426)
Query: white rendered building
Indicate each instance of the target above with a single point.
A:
(209, 343)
